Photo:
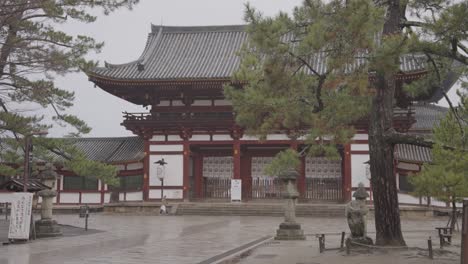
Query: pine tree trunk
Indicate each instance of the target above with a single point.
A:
(387, 213)
(453, 221)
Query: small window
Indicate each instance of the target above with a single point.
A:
(72, 183)
(404, 184)
(131, 182)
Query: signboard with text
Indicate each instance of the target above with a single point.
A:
(20, 217)
(236, 190)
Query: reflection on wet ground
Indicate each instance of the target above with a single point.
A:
(164, 239)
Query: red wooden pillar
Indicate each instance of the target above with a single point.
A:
(301, 183)
(186, 170)
(146, 171)
(347, 173)
(236, 159)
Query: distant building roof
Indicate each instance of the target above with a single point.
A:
(203, 52)
(427, 116)
(412, 153)
(16, 185)
(111, 150)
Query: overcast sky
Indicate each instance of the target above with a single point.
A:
(124, 33)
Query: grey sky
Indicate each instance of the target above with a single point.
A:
(124, 33)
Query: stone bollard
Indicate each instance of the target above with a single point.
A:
(47, 227)
(290, 229)
(356, 214)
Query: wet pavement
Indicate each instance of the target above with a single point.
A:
(170, 239)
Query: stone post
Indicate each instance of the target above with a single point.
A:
(47, 227)
(356, 214)
(290, 229)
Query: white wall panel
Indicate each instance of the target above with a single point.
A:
(361, 137)
(202, 103)
(166, 147)
(106, 197)
(408, 166)
(134, 196)
(247, 137)
(90, 198)
(358, 170)
(170, 194)
(174, 138)
(177, 103)
(222, 137)
(135, 166)
(359, 147)
(6, 197)
(158, 138)
(164, 103)
(200, 137)
(69, 197)
(174, 170)
(277, 137)
(222, 102)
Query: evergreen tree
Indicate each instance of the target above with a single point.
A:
(446, 178)
(32, 52)
(287, 88)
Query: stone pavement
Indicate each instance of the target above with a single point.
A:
(178, 239)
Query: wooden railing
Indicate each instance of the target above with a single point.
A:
(323, 189)
(266, 188)
(217, 188)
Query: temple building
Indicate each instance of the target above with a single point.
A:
(180, 77)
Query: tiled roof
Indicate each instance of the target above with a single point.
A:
(427, 116)
(111, 150)
(412, 153)
(203, 52)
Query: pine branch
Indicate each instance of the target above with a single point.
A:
(394, 137)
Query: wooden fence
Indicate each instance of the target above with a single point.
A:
(324, 189)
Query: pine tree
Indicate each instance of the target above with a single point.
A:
(32, 52)
(361, 42)
(446, 178)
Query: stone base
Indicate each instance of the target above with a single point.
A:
(289, 231)
(356, 242)
(47, 228)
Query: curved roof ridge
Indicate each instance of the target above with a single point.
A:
(431, 105)
(100, 138)
(188, 29)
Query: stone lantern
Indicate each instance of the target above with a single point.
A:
(356, 214)
(290, 229)
(47, 227)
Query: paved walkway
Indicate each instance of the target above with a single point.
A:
(174, 239)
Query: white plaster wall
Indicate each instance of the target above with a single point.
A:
(6, 197)
(158, 138)
(69, 197)
(134, 196)
(222, 137)
(89, 198)
(174, 138)
(106, 197)
(170, 194)
(359, 147)
(121, 197)
(360, 137)
(177, 103)
(120, 167)
(200, 137)
(358, 170)
(222, 102)
(247, 137)
(277, 137)
(174, 170)
(164, 103)
(135, 166)
(202, 103)
(166, 147)
(408, 166)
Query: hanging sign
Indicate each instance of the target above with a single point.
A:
(20, 217)
(236, 190)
